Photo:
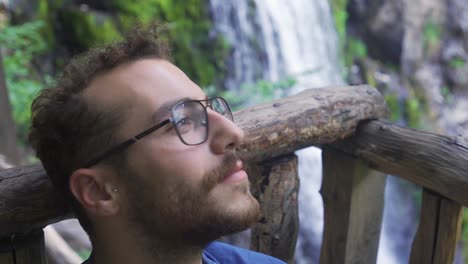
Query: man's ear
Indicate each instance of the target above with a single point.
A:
(94, 190)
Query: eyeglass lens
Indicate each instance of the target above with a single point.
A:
(191, 120)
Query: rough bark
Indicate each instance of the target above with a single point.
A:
(277, 191)
(312, 117)
(28, 200)
(436, 162)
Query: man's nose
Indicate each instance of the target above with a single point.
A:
(224, 135)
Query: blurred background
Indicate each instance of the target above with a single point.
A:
(250, 51)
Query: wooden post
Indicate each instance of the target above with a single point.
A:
(24, 249)
(438, 232)
(353, 197)
(277, 191)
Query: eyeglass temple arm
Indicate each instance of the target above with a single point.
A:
(125, 144)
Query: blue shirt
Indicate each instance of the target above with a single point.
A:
(221, 253)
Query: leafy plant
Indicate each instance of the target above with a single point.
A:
(432, 33)
(457, 63)
(354, 49)
(21, 44)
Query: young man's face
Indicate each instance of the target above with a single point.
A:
(173, 190)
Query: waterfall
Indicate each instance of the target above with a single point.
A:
(271, 39)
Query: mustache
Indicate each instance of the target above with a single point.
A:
(217, 175)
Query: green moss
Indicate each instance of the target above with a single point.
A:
(199, 56)
(354, 49)
(43, 14)
(394, 106)
(188, 25)
(88, 29)
(413, 112)
(46, 12)
(448, 96)
(457, 63)
(432, 33)
(340, 16)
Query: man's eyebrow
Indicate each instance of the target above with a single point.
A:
(164, 110)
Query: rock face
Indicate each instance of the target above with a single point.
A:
(378, 23)
(427, 42)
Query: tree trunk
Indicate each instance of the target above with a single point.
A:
(8, 145)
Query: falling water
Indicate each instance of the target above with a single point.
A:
(272, 39)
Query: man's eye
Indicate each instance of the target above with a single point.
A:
(184, 125)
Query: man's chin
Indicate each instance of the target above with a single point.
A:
(228, 220)
(241, 216)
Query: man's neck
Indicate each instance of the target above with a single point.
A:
(120, 250)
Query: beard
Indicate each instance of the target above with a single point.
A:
(184, 214)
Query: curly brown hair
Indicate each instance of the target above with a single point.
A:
(66, 130)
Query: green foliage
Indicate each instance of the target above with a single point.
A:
(201, 58)
(88, 29)
(432, 33)
(188, 25)
(340, 16)
(413, 112)
(394, 105)
(448, 96)
(22, 44)
(457, 63)
(355, 49)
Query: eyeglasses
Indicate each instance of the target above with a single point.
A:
(190, 120)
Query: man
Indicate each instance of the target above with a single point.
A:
(147, 161)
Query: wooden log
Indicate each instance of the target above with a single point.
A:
(438, 232)
(436, 162)
(277, 191)
(312, 117)
(353, 198)
(28, 201)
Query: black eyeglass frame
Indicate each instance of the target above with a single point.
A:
(125, 144)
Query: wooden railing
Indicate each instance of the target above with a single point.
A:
(358, 149)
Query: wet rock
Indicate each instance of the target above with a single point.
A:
(458, 18)
(430, 78)
(378, 23)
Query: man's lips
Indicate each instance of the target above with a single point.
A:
(235, 175)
